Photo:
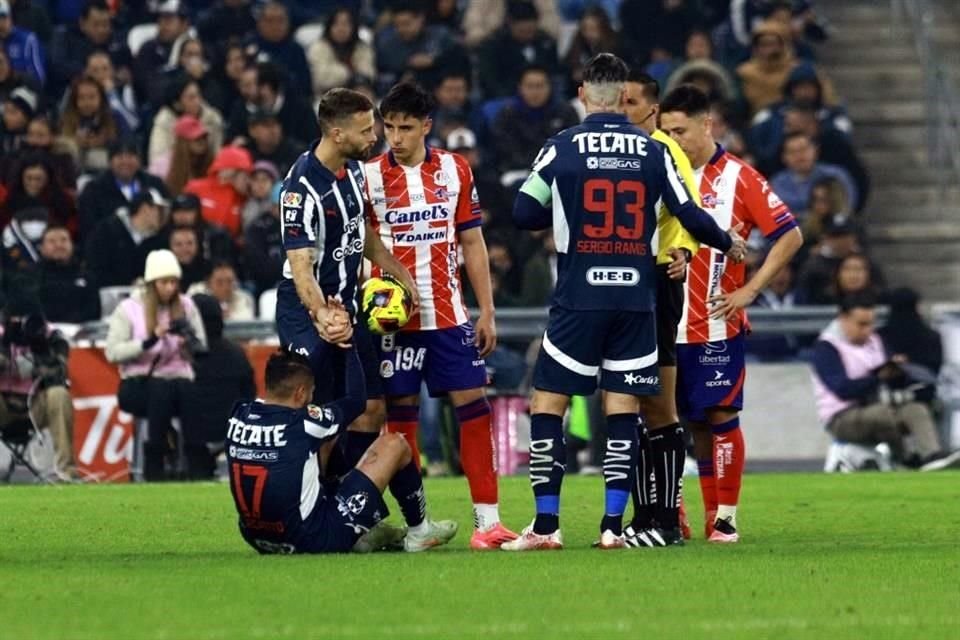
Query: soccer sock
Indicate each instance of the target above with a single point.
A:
(729, 453)
(669, 453)
(644, 489)
(355, 445)
(407, 488)
(479, 461)
(708, 485)
(619, 469)
(548, 461)
(404, 419)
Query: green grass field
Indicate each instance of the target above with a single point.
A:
(821, 556)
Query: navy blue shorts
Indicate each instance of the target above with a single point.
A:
(710, 375)
(446, 359)
(297, 333)
(619, 346)
(335, 524)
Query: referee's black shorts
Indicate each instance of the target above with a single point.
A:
(669, 312)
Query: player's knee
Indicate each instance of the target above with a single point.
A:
(396, 448)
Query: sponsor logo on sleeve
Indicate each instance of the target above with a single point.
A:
(291, 199)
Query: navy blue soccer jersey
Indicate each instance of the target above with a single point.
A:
(273, 461)
(603, 180)
(325, 211)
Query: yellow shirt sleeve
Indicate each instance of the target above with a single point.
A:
(671, 233)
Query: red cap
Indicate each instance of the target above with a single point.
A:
(189, 128)
(236, 158)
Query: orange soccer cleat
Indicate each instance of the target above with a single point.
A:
(491, 538)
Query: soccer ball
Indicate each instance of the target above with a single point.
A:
(386, 305)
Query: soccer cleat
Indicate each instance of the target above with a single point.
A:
(684, 522)
(491, 538)
(940, 461)
(723, 532)
(610, 540)
(642, 538)
(439, 532)
(708, 523)
(672, 536)
(382, 537)
(530, 541)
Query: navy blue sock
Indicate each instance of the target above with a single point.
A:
(407, 489)
(355, 445)
(548, 461)
(644, 489)
(669, 455)
(619, 469)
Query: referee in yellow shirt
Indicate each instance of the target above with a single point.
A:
(656, 501)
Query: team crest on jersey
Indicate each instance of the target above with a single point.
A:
(386, 369)
(440, 178)
(441, 194)
(710, 200)
(773, 200)
(353, 505)
(314, 411)
(292, 199)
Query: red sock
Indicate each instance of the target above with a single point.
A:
(404, 419)
(729, 452)
(708, 485)
(476, 451)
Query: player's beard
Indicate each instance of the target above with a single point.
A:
(359, 153)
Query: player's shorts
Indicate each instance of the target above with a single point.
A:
(446, 359)
(710, 375)
(297, 334)
(669, 311)
(619, 346)
(335, 524)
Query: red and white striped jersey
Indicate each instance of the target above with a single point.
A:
(418, 212)
(732, 192)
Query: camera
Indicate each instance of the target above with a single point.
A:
(49, 359)
(181, 327)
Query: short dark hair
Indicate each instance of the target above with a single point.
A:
(857, 300)
(284, 371)
(271, 75)
(53, 227)
(408, 6)
(93, 5)
(605, 67)
(651, 88)
(337, 104)
(522, 10)
(793, 135)
(409, 99)
(687, 99)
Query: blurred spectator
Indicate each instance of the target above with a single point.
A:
(226, 20)
(183, 98)
(503, 56)
(828, 198)
(66, 294)
(262, 181)
(494, 199)
(222, 377)
(778, 295)
(190, 157)
(272, 96)
(229, 73)
(826, 279)
(655, 29)
(856, 273)
(908, 336)
(173, 23)
(21, 46)
(185, 245)
(216, 245)
(453, 107)
(189, 60)
(21, 242)
(540, 273)
(701, 70)
(527, 120)
(595, 34)
(802, 22)
(263, 247)
(118, 246)
(246, 102)
(154, 333)
(120, 97)
(266, 141)
(221, 284)
(447, 14)
(339, 53)
(839, 239)
(35, 184)
(275, 42)
(803, 169)
(72, 44)
(503, 264)
(33, 16)
(89, 123)
(114, 189)
(409, 46)
(854, 378)
(40, 140)
(224, 191)
(725, 135)
(764, 75)
(484, 17)
(10, 79)
(19, 107)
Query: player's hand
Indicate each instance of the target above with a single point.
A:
(677, 269)
(411, 286)
(333, 323)
(738, 251)
(486, 329)
(726, 305)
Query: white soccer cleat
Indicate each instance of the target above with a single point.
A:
(641, 538)
(383, 536)
(610, 540)
(439, 532)
(530, 541)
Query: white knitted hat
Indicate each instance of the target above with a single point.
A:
(161, 264)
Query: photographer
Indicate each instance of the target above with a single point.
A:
(33, 380)
(153, 335)
(866, 397)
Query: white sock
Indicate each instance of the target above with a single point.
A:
(728, 513)
(485, 516)
(420, 529)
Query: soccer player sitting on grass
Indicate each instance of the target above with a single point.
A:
(276, 448)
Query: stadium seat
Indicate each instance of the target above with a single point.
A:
(267, 305)
(110, 297)
(16, 437)
(140, 35)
